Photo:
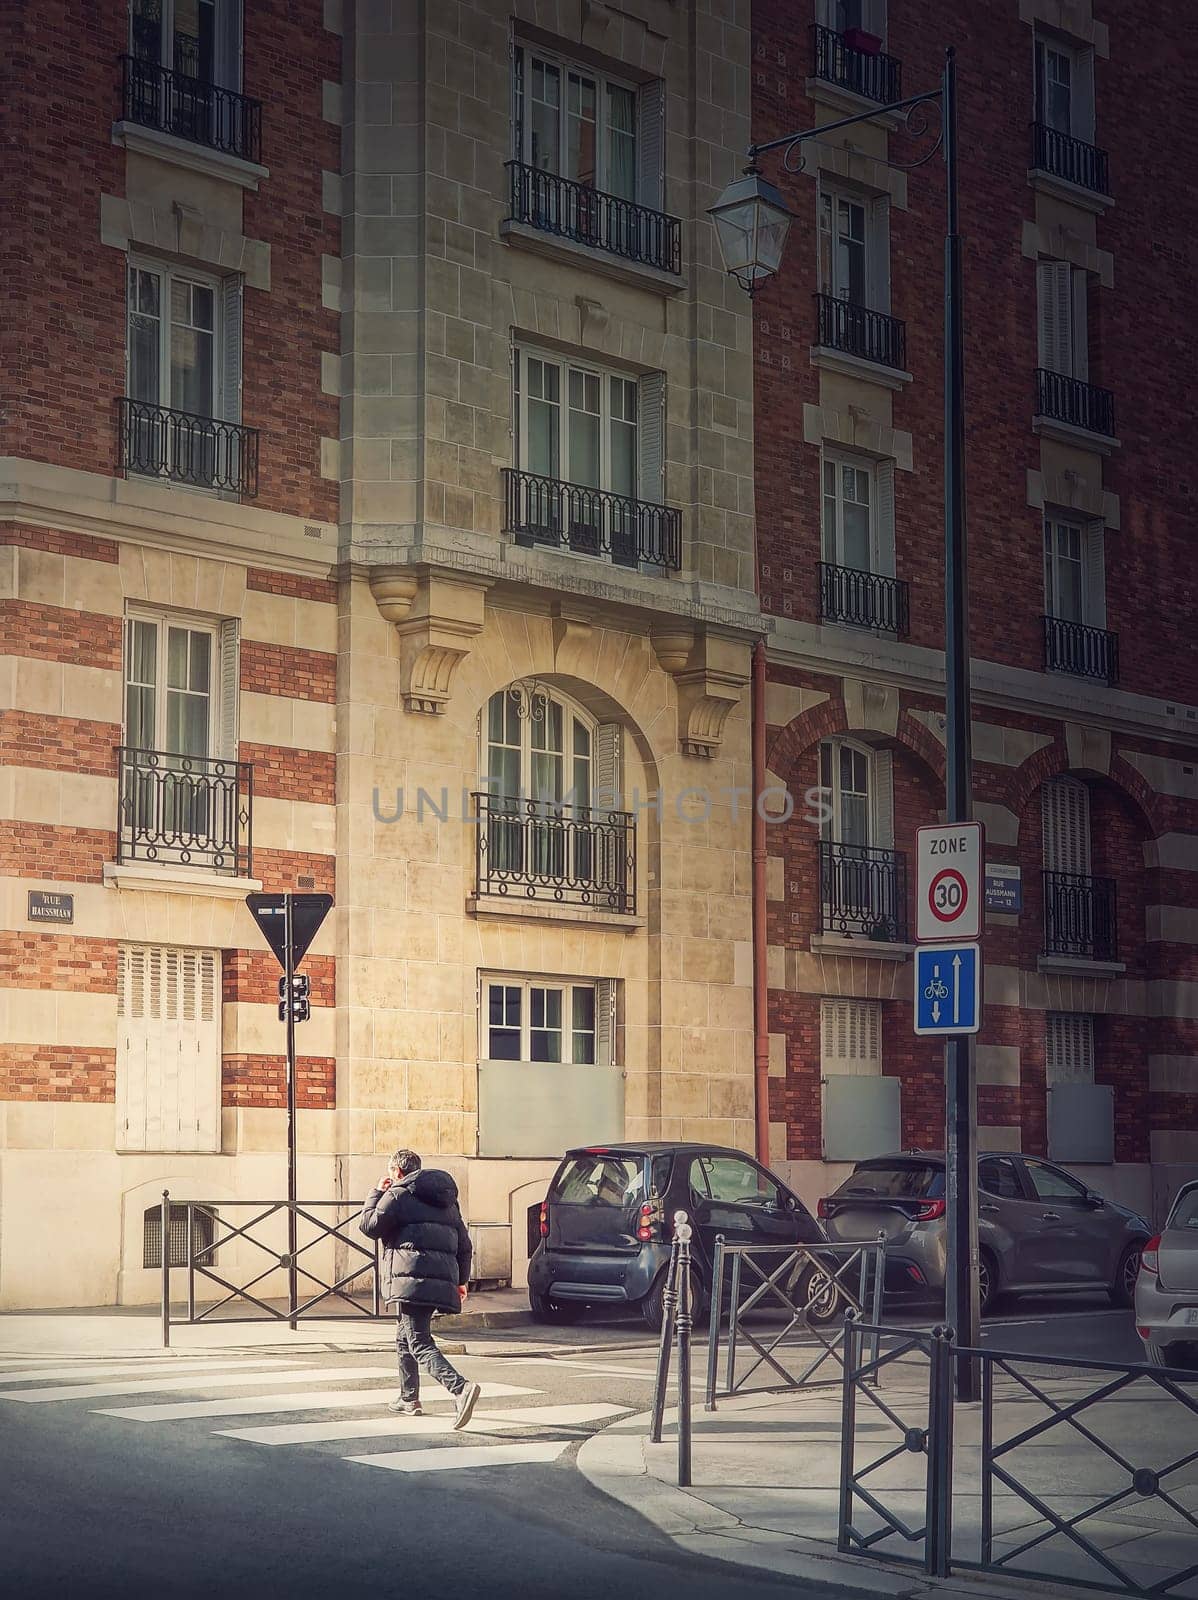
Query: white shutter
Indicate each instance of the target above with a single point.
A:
(229, 651)
(650, 437)
(1054, 305)
(1065, 806)
(882, 778)
(1082, 99)
(168, 1050)
(230, 372)
(878, 245)
(1069, 1049)
(229, 46)
(1079, 344)
(132, 1047)
(609, 777)
(605, 1022)
(517, 58)
(850, 1037)
(651, 145)
(1094, 574)
(884, 519)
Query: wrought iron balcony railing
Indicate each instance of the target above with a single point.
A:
(1079, 916)
(187, 811)
(540, 851)
(1082, 405)
(159, 442)
(591, 522)
(1072, 159)
(571, 210)
(858, 331)
(863, 892)
(863, 599)
(1086, 652)
(871, 73)
(191, 109)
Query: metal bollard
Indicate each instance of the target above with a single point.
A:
(682, 1232)
(669, 1301)
(713, 1323)
(166, 1269)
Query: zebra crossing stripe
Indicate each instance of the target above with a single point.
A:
(454, 1458)
(362, 1427)
(256, 1405)
(96, 1391)
(176, 1364)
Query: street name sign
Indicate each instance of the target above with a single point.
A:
(948, 895)
(1004, 889)
(948, 989)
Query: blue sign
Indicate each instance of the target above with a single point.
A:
(1004, 889)
(948, 988)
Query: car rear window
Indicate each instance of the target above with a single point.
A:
(899, 1181)
(1185, 1212)
(600, 1180)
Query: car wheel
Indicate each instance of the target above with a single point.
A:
(987, 1282)
(1123, 1290)
(815, 1292)
(559, 1311)
(653, 1307)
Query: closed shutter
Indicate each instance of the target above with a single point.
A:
(1069, 1049)
(517, 55)
(1082, 100)
(884, 562)
(229, 47)
(883, 785)
(1079, 349)
(230, 658)
(230, 373)
(851, 1037)
(609, 777)
(651, 145)
(168, 1049)
(873, 17)
(605, 1022)
(1094, 575)
(514, 426)
(1054, 303)
(650, 437)
(1066, 819)
(879, 253)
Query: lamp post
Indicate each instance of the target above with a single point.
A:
(751, 222)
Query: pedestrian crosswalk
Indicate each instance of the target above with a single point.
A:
(229, 1392)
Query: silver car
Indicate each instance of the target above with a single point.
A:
(1039, 1229)
(1167, 1287)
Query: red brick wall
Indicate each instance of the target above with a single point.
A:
(281, 773)
(287, 670)
(57, 1072)
(84, 545)
(57, 633)
(323, 589)
(44, 850)
(62, 744)
(252, 1080)
(67, 961)
(252, 976)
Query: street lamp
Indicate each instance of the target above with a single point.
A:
(751, 222)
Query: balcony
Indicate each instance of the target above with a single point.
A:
(564, 209)
(869, 73)
(536, 852)
(1079, 917)
(863, 599)
(1074, 404)
(856, 331)
(191, 109)
(863, 892)
(180, 447)
(1069, 159)
(591, 522)
(1083, 651)
(185, 811)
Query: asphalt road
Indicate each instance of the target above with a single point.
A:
(152, 1502)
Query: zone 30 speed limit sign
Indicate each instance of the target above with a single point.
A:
(949, 892)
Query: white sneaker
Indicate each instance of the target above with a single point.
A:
(467, 1400)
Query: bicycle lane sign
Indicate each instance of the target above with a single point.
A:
(948, 989)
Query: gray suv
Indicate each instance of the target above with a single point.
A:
(1039, 1229)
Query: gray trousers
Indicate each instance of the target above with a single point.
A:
(416, 1348)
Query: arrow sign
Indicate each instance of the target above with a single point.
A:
(308, 911)
(957, 986)
(944, 1005)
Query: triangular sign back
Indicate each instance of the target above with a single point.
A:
(308, 911)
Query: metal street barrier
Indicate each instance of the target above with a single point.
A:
(794, 1280)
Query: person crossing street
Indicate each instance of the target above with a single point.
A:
(414, 1215)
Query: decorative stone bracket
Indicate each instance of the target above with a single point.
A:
(437, 618)
(711, 671)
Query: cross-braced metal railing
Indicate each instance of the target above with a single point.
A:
(875, 1511)
(811, 1285)
(355, 1263)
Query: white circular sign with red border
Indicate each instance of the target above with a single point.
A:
(948, 896)
(949, 882)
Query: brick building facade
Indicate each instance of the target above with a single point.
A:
(1082, 584)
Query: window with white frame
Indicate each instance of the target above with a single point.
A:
(547, 1020)
(1069, 1048)
(1074, 571)
(857, 520)
(851, 1037)
(184, 340)
(1064, 87)
(168, 1061)
(579, 424)
(1063, 334)
(858, 787)
(180, 684)
(579, 123)
(854, 247)
(199, 39)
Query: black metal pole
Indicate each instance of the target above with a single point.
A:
(166, 1269)
(669, 1299)
(685, 1313)
(289, 973)
(961, 1118)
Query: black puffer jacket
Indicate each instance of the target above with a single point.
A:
(426, 1248)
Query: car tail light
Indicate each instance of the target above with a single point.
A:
(1150, 1261)
(931, 1211)
(823, 1211)
(648, 1222)
(544, 1219)
(915, 1274)
(1145, 1333)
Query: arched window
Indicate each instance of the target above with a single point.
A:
(859, 788)
(862, 886)
(538, 746)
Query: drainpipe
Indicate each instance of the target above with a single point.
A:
(761, 1023)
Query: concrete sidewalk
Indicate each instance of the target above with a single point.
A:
(766, 1475)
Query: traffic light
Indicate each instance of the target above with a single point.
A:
(301, 1010)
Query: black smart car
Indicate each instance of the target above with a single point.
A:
(605, 1225)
